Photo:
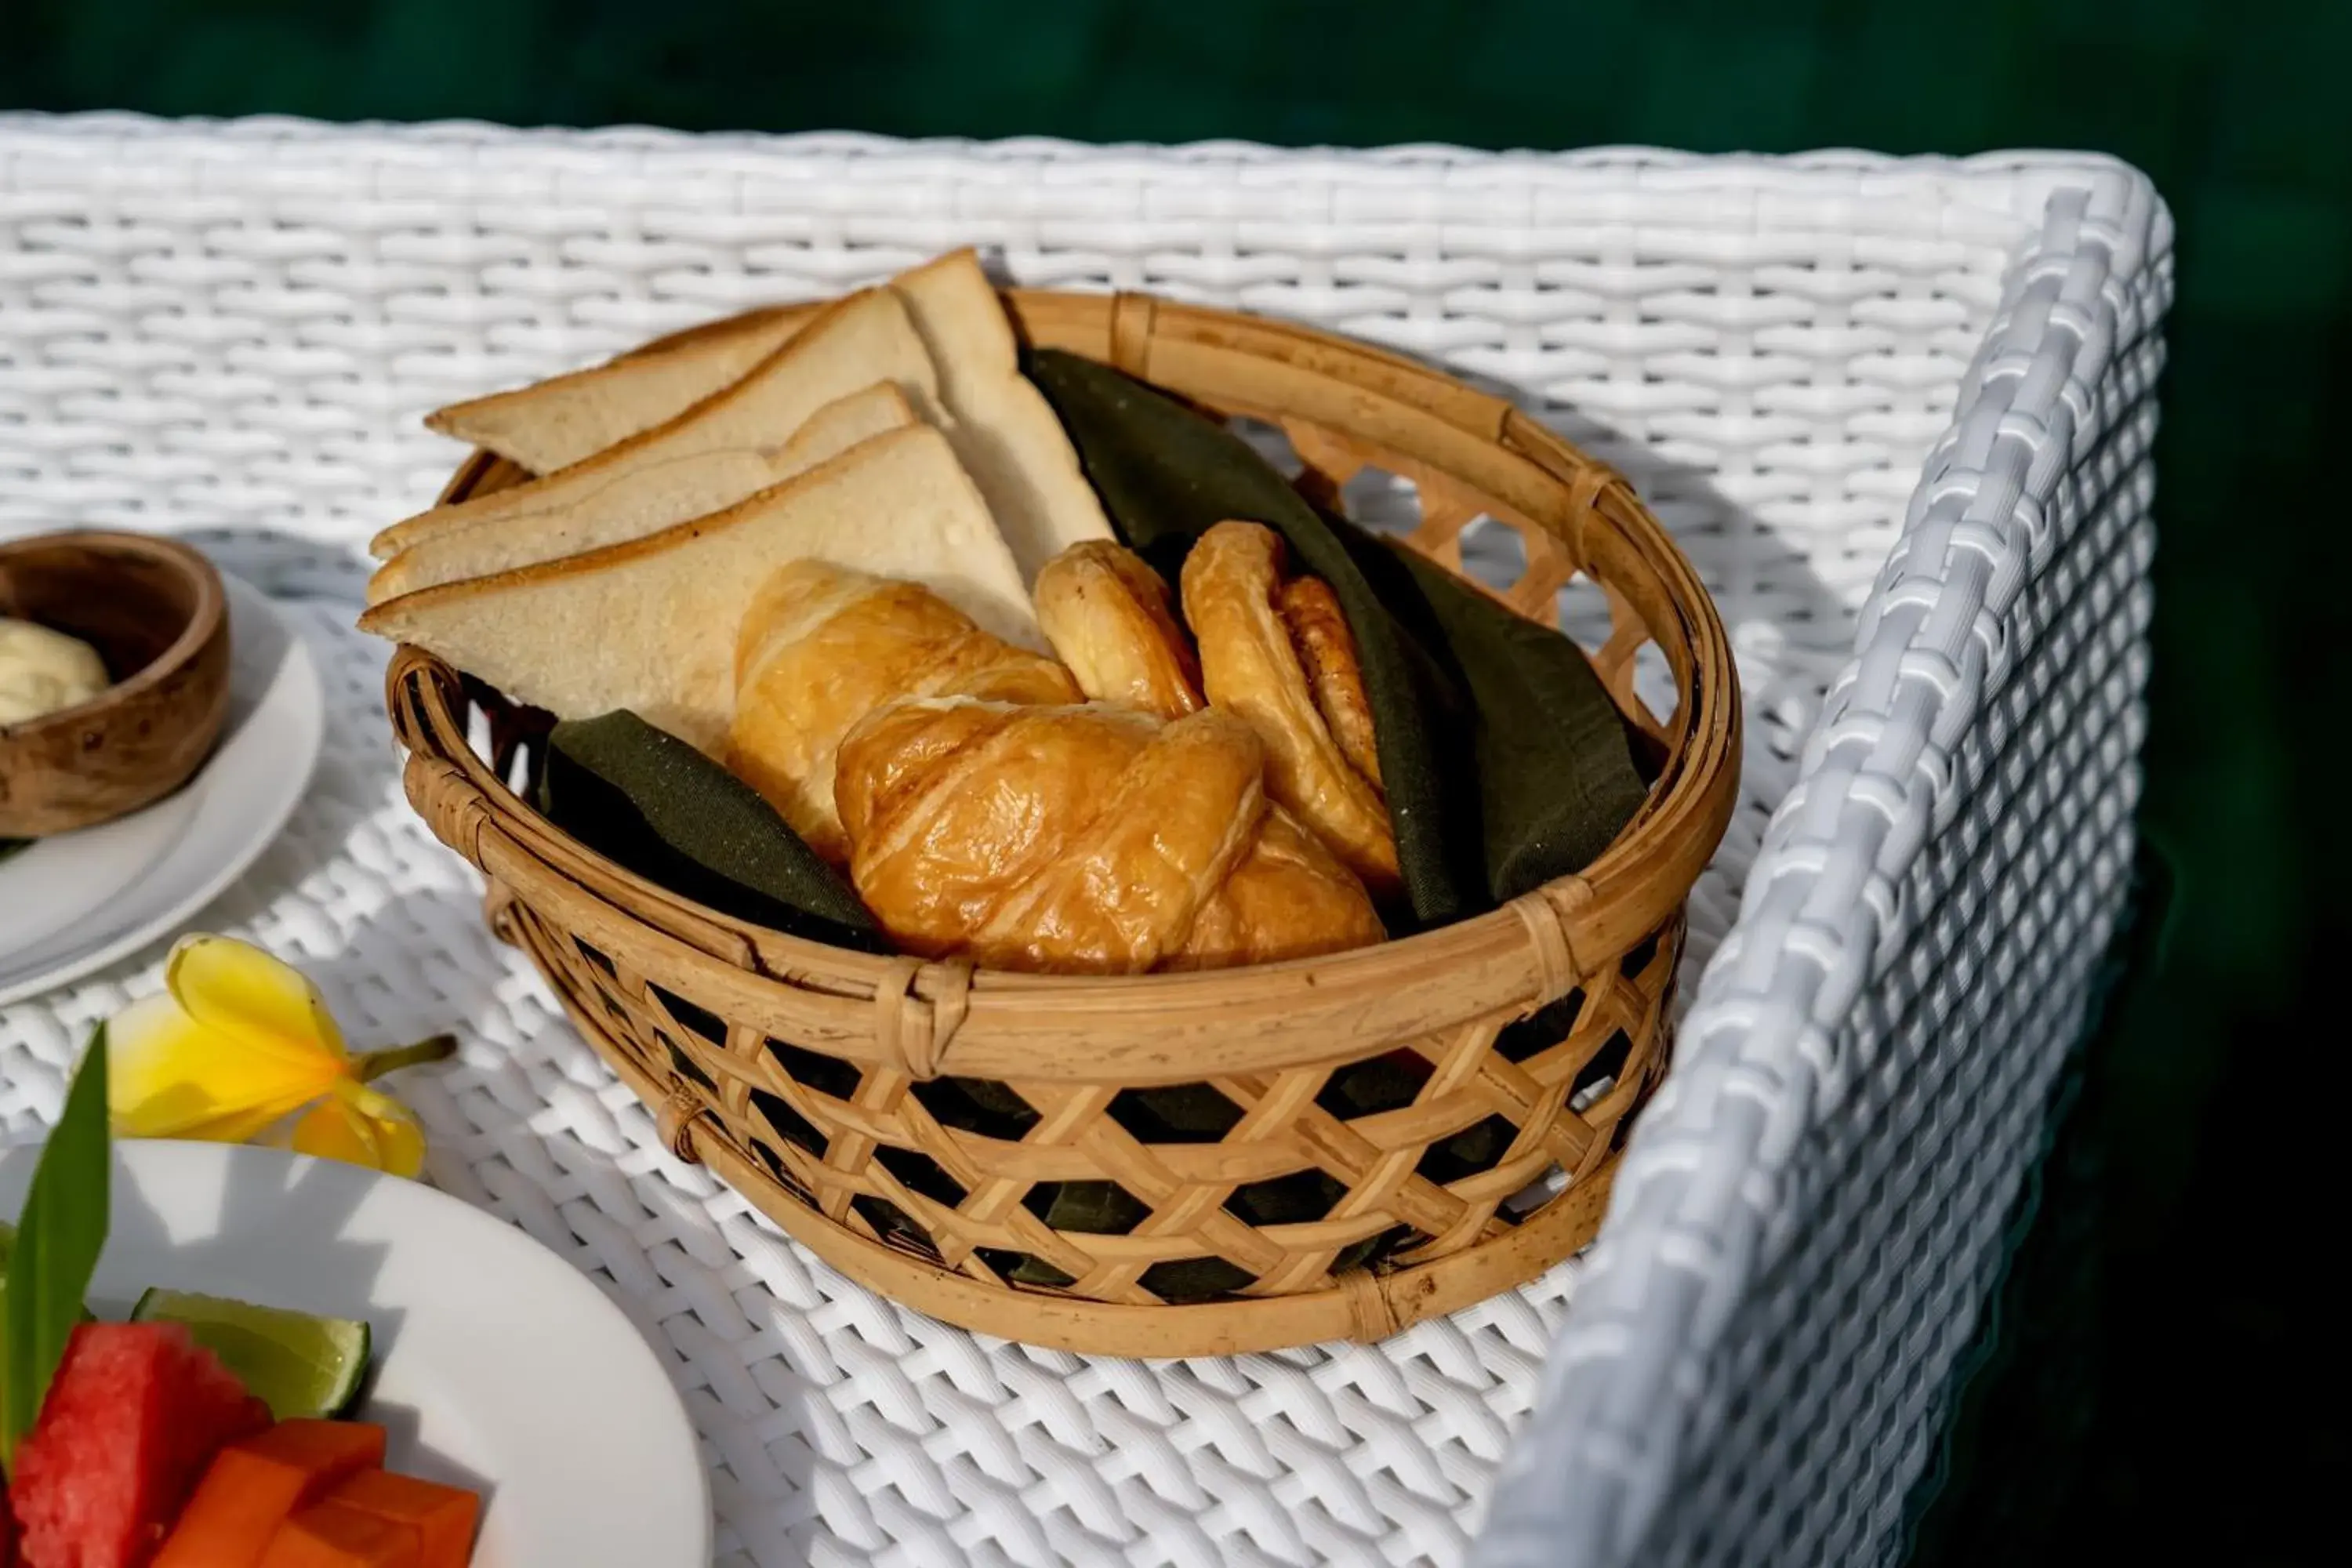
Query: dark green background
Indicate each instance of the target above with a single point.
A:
(2166, 1380)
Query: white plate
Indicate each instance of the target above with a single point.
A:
(500, 1367)
(80, 900)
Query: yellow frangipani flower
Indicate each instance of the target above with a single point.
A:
(240, 1046)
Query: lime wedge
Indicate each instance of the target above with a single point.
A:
(297, 1364)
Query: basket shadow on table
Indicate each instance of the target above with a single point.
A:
(397, 975)
(1746, 561)
(299, 575)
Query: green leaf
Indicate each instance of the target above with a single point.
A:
(59, 1238)
(646, 800)
(1094, 1208)
(1557, 774)
(1180, 1282)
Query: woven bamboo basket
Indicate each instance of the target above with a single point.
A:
(828, 1086)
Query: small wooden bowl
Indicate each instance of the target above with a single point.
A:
(155, 611)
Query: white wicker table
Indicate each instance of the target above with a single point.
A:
(230, 330)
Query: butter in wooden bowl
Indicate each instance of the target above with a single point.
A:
(113, 676)
(43, 669)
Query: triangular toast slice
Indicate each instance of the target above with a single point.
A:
(1004, 430)
(862, 339)
(641, 501)
(650, 624)
(552, 423)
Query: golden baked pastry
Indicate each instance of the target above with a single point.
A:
(1278, 652)
(1092, 840)
(820, 646)
(1108, 615)
(1326, 654)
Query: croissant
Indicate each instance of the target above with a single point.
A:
(1090, 839)
(820, 646)
(1279, 654)
(1107, 615)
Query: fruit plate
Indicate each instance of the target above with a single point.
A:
(498, 1366)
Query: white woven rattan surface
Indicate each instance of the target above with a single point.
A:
(1759, 1367)
(231, 328)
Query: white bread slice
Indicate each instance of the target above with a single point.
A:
(861, 339)
(555, 423)
(650, 624)
(1004, 430)
(645, 500)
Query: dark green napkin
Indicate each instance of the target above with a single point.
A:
(1505, 763)
(1556, 775)
(646, 800)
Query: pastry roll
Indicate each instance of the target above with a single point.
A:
(1108, 615)
(1278, 652)
(820, 646)
(1091, 839)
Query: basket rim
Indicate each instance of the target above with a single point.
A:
(1539, 945)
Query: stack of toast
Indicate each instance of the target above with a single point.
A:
(891, 433)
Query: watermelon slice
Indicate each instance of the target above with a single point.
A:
(136, 1412)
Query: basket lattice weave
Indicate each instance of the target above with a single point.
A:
(830, 1087)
